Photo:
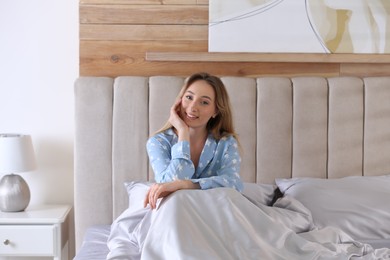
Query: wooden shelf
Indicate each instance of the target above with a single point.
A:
(267, 57)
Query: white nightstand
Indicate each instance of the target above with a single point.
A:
(37, 231)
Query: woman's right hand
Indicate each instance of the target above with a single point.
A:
(161, 190)
(177, 122)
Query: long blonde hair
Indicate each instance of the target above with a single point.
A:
(222, 124)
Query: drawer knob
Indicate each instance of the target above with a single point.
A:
(6, 242)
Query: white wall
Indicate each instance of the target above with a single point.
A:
(39, 63)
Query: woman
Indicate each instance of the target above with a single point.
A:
(197, 148)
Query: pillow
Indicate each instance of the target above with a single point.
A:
(136, 191)
(358, 205)
(259, 193)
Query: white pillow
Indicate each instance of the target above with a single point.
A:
(137, 190)
(259, 193)
(358, 205)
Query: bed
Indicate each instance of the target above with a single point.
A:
(315, 167)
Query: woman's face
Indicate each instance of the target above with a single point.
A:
(198, 104)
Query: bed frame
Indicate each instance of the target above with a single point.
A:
(288, 127)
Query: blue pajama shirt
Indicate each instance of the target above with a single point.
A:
(219, 163)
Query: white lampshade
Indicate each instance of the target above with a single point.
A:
(16, 155)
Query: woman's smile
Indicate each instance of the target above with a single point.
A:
(191, 117)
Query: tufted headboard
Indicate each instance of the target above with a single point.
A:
(288, 127)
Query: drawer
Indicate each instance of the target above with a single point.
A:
(19, 240)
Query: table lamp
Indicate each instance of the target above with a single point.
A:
(16, 155)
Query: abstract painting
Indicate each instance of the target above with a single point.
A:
(299, 26)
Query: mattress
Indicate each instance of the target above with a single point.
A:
(95, 243)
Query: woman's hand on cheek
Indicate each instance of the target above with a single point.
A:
(175, 119)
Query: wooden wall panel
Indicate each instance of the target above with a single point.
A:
(145, 2)
(143, 32)
(143, 14)
(117, 35)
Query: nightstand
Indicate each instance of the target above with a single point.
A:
(37, 231)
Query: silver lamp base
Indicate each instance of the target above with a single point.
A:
(14, 193)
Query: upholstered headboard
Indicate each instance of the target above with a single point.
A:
(288, 127)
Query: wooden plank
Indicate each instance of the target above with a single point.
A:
(103, 48)
(143, 14)
(142, 2)
(113, 54)
(364, 69)
(143, 32)
(115, 58)
(267, 57)
(142, 68)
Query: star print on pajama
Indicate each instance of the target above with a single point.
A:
(219, 163)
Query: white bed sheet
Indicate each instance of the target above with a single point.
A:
(95, 247)
(95, 243)
(377, 243)
(225, 225)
